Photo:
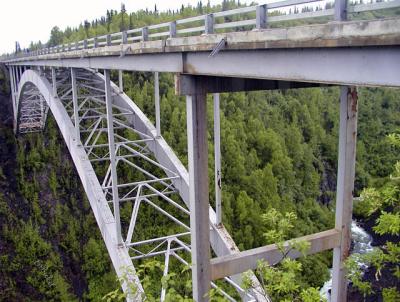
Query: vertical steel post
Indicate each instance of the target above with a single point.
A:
(209, 24)
(345, 186)
(172, 29)
(12, 80)
(113, 164)
(75, 104)
(54, 81)
(198, 195)
(15, 81)
(120, 81)
(340, 10)
(124, 37)
(157, 103)
(217, 158)
(13, 96)
(145, 33)
(261, 16)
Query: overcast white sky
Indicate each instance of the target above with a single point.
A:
(32, 20)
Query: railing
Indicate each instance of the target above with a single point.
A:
(256, 17)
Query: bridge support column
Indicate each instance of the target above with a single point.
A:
(345, 186)
(157, 103)
(217, 158)
(198, 194)
(75, 105)
(120, 81)
(113, 164)
(54, 81)
(13, 96)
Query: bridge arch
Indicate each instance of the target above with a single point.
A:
(176, 174)
(104, 217)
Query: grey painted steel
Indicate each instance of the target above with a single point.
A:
(337, 66)
(340, 66)
(185, 84)
(75, 104)
(243, 261)
(172, 29)
(120, 81)
(209, 24)
(345, 186)
(261, 16)
(13, 98)
(54, 81)
(105, 220)
(340, 10)
(198, 194)
(221, 241)
(217, 160)
(157, 103)
(111, 148)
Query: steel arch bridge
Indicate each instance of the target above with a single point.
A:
(106, 132)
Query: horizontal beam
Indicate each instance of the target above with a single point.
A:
(189, 85)
(358, 66)
(248, 260)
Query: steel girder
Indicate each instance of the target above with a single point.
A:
(357, 66)
(82, 114)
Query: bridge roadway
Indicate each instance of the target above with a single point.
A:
(351, 53)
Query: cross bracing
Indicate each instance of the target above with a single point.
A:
(152, 186)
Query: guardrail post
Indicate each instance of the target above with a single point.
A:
(95, 42)
(209, 24)
(124, 37)
(85, 44)
(145, 33)
(261, 16)
(340, 10)
(76, 45)
(108, 40)
(172, 29)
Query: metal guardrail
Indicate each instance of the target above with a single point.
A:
(254, 18)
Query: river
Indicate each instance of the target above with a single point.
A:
(361, 244)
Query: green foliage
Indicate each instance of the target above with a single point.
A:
(386, 202)
(279, 156)
(281, 281)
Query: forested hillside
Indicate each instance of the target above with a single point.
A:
(279, 150)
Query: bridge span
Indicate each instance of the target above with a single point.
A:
(106, 132)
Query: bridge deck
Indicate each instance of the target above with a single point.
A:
(334, 34)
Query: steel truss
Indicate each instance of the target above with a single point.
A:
(132, 164)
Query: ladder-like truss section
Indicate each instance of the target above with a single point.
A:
(143, 183)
